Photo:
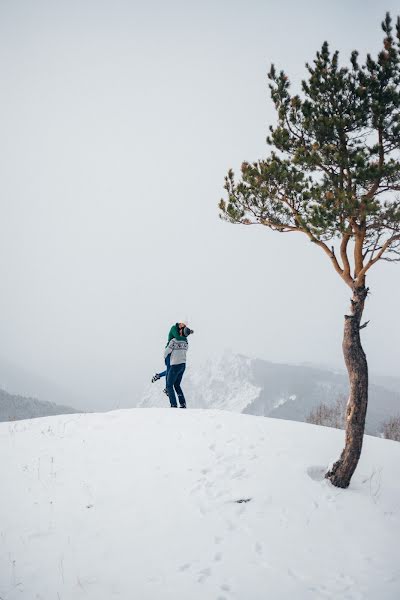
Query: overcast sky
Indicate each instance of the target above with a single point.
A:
(119, 120)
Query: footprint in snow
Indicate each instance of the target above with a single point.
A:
(239, 474)
(204, 574)
(317, 473)
(231, 526)
(218, 557)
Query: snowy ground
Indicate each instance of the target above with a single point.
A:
(148, 504)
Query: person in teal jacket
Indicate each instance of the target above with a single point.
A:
(177, 349)
(177, 332)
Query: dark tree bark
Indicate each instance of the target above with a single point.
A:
(356, 363)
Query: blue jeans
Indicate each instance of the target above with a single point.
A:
(174, 378)
(167, 361)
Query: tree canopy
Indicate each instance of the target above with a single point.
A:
(333, 172)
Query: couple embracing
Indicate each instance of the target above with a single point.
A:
(175, 361)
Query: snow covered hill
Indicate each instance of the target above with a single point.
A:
(258, 387)
(165, 504)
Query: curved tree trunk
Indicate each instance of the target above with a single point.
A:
(356, 363)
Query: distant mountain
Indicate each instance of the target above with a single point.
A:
(295, 391)
(258, 387)
(226, 383)
(390, 382)
(15, 408)
(20, 381)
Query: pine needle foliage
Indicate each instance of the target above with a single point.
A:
(333, 171)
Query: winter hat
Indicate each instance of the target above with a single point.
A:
(187, 331)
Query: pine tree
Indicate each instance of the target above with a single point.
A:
(332, 173)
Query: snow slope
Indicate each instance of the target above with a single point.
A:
(148, 504)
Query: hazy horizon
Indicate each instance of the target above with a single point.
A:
(120, 121)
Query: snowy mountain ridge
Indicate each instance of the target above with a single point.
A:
(240, 384)
(223, 382)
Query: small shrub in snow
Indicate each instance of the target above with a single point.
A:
(391, 429)
(329, 416)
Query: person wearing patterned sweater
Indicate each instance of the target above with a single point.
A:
(173, 332)
(177, 331)
(176, 350)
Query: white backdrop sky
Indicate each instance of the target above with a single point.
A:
(119, 120)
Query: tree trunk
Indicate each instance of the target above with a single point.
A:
(356, 363)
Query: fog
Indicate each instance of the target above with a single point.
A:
(119, 121)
